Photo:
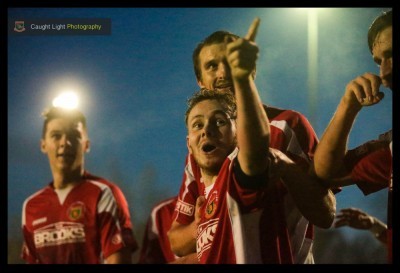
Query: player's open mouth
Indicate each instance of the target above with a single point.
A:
(208, 148)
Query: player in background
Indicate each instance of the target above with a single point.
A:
(78, 218)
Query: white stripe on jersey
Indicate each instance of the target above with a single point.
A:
(293, 146)
(189, 177)
(297, 226)
(107, 203)
(154, 212)
(245, 237)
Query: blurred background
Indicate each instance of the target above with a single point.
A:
(133, 86)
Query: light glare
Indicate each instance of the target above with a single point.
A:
(68, 100)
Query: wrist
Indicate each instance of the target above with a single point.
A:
(350, 108)
(377, 227)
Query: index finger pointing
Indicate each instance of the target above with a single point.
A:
(252, 32)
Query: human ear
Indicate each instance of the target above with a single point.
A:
(43, 146)
(188, 146)
(87, 146)
(200, 84)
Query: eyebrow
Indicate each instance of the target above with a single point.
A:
(208, 62)
(215, 112)
(386, 53)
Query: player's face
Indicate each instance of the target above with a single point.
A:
(65, 143)
(211, 135)
(215, 71)
(382, 54)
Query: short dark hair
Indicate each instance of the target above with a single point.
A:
(216, 37)
(380, 23)
(58, 112)
(227, 100)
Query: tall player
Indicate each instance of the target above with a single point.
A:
(78, 217)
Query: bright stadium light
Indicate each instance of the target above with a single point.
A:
(68, 100)
(312, 81)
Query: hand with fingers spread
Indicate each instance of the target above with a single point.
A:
(243, 53)
(354, 218)
(358, 219)
(197, 213)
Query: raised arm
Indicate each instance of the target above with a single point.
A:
(328, 158)
(316, 202)
(253, 130)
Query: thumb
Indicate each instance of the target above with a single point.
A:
(200, 201)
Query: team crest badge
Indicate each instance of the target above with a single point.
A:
(19, 26)
(212, 205)
(75, 211)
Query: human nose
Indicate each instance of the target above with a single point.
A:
(208, 130)
(64, 141)
(223, 70)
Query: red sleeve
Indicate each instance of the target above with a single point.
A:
(125, 219)
(370, 165)
(150, 252)
(28, 252)
(28, 247)
(123, 211)
(307, 139)
(156, 248)
(110, 232)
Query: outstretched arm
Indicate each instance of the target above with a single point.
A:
(252, 122)
(358, 219)
(328, 158)
(316, 202)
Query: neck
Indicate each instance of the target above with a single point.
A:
(208, 178)
(63, 180)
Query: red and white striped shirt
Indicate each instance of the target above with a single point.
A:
(292, 134)
(156, 248)
(371, 168)
(76, 225)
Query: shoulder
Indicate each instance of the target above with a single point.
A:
(100, 180)
(168, 202)
(386, 136)
(42, 193)
(288, 116)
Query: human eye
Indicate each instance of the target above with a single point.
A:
(197, 125)
(55, 135)
(75, 134)
(388, 54)
(220, 122)
(378, 61)
(211, 66)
